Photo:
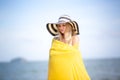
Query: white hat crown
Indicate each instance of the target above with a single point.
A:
(64, 19)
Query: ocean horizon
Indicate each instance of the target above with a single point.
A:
(98, 69)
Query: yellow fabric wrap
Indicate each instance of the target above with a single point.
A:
(65, 62)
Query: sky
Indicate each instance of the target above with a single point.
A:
(23, 30)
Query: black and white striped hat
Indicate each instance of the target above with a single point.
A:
(52, 27)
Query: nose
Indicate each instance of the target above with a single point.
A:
(61, 27)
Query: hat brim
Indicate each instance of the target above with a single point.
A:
(52, 28)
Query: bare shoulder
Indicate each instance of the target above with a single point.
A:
(75, 39)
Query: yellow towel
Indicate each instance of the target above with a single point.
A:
(65, 62)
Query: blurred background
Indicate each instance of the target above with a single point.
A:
(25, 41)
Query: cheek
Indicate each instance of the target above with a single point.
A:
(58, 28)
(64, 28)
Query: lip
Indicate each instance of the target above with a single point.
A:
(62, 31)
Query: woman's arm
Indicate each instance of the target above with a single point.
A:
(75, 40)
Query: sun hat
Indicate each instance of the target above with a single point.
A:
(52, 27)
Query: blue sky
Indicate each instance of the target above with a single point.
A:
(23, 30)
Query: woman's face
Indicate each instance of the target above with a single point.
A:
(62, 28)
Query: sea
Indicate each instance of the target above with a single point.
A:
(98, 69)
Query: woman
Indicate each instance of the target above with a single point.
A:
(65, 61)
